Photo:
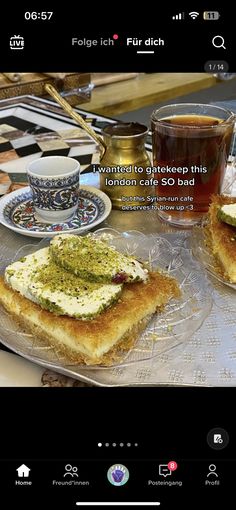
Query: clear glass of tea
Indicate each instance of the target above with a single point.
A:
(191, 146)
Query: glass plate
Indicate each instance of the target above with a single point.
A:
(201, 250)
(171, 327)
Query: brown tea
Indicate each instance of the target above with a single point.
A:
(196, 148)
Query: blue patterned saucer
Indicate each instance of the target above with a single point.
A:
(17, 213)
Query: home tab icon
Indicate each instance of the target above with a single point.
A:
(23, 471)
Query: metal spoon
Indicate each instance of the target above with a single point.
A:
(68, 109)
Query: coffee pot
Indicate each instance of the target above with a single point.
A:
(123, 165)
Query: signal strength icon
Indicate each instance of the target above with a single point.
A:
(193, 14)
(178, 16)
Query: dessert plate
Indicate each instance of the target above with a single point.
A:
(17, 213)
(169, 328)
(202, 251)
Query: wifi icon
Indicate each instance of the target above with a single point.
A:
(193, 14)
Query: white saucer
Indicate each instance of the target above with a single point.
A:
(17, 371)
(17, 213)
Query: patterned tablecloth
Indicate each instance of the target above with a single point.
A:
(209, 356)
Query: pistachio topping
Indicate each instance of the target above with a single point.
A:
(41, 280)
(51, 276)
(94, 260)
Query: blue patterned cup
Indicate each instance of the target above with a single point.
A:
(54, 181)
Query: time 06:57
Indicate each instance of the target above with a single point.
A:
(44, 16)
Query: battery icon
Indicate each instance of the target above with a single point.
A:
(211, 15)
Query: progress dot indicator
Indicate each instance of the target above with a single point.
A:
(99, 445)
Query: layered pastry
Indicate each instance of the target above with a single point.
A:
(84, 297)
(222, 229)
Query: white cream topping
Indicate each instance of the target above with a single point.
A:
(19, 274)
(21, 277)
(230, 210)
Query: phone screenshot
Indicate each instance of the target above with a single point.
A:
(117, 258)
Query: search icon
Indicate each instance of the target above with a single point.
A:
(218, 42)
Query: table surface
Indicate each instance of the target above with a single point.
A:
(146, 89)
(33, 83)
(208, 358)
